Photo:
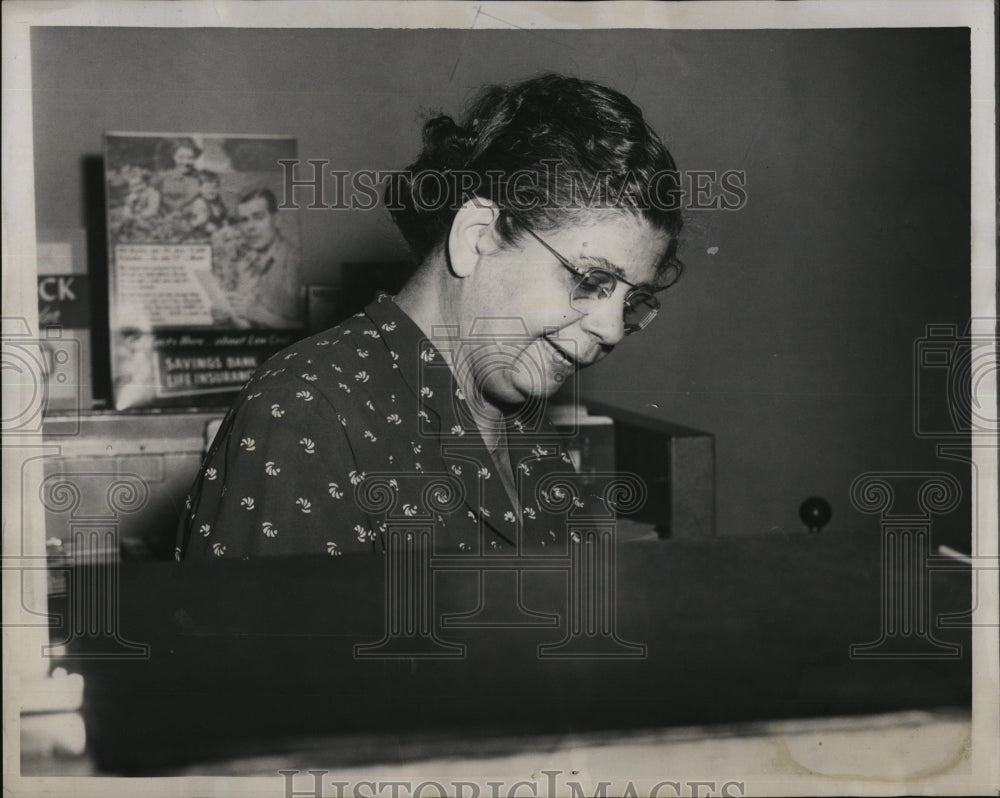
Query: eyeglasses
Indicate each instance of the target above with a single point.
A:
(595, 285)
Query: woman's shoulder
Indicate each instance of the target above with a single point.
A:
(341, 337)
(330, 364)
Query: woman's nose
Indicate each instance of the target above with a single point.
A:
(605, 320)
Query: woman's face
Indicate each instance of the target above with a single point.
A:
(528, 338)
(184, 158)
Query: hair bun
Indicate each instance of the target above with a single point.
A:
(447, 145)
(597, 136)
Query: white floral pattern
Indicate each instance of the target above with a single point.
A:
(360, 414)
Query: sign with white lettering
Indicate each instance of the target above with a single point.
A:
(64, 318)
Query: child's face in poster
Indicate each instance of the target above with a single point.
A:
(184, 159)
(210, 190)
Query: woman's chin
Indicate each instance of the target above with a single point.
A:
(543, 386)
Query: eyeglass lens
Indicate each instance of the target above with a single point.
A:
(640, 304)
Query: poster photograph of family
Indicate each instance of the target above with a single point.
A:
(200, 254)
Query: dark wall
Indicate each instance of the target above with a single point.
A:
(791, 336)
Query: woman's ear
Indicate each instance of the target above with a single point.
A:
(473, 234)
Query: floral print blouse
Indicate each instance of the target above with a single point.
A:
(358, 428)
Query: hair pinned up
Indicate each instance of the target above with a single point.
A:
(549, 147)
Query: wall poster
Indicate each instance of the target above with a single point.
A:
(205, 268)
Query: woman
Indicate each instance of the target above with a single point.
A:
(544, 223)
(178, 183)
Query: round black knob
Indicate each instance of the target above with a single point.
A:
(815, 513)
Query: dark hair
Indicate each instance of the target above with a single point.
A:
(165, 149)
(256, 193)
(547, 148)
(207, 176)
(184, 143)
